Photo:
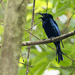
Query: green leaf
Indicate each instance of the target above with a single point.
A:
(39, 68)
(40, 57)
(51, 56)
(1, 29)
(21, 71)
(61, 7)
(54, 2)
(73, 2)
(72, 52)
(42, 68)
(66, 62)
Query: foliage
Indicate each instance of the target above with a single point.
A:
(47, 58)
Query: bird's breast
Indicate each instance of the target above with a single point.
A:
(50, 29)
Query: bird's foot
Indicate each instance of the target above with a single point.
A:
(44, 39)
(51, 37)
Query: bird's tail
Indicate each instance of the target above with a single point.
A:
(62, 44)
(59, 53)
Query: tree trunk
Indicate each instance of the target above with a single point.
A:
(12, 40)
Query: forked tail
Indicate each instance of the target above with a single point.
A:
(59, 53)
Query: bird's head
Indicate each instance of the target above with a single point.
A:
(45, 15)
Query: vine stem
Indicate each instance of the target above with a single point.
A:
(32, 21)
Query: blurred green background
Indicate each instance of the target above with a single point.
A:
(42, 57)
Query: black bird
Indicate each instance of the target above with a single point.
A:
(51, 29)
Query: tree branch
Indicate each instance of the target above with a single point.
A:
(35, 25)
(64, 36)
(26, 64)
(0, 1)
(1, 20)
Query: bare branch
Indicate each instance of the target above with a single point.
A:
(64, 36)
(25, 64)
(0, 1)
(72, 71)
(28, 43)
(32, 21)
(34, 25)
(67, 24)
(1, 20)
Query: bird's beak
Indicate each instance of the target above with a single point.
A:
(42, 15)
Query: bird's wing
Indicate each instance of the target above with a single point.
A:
(55, 22)
(55, 26)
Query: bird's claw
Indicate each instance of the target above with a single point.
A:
(44, 39)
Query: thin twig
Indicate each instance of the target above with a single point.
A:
(69, 57)
(21, 4)
(30, 36)
(0, 1)
(67, 24)
(22, 56)
(34, 25)
(1, 20)
(54, 39)
(72, 71)
(25, 64)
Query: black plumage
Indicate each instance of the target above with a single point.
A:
(52, 30)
